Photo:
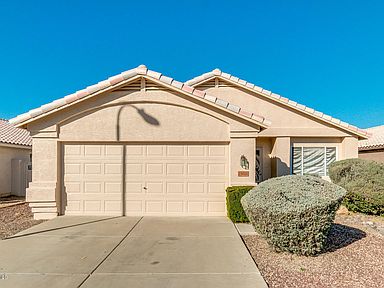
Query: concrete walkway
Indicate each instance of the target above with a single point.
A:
(128, 252)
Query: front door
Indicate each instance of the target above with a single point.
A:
(259, 165)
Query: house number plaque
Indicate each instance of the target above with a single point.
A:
(243, 173)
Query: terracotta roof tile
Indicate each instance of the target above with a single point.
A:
(233, 108)
(199, 93)
(375, 140)
(210, 98)
(128, 74)
(187, 88)
(217, 72)
(167, 80)
(222, 103)
(141, 70)
(154, 74)
(9, 134)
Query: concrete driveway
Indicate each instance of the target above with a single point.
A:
(128, 252)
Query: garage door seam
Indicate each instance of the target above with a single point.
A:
(105, 258)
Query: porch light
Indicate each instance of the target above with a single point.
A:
(244, 163)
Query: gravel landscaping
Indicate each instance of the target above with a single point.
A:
(15, 217)
(354, 257)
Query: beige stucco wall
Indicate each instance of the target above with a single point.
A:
(372, 155)
(240, 147)
(285, 120)
(7, 153)
(288, 128)
(163, 116)
(141, 117)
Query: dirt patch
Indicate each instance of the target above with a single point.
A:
(354, 257)
(11, 200)
(16, 218)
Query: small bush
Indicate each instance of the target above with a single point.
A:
(294, 213)
(364, 182)
(234, 209)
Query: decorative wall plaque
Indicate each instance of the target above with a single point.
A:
(243, 173)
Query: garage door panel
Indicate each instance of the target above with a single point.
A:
(154, 187)
(134, 169)
(113, 206)
(175, 188)
(73, 187)
(175, 207)
(196, 169)
(92, 179)
(92, 168)
(154, 169)
(196, 207)
(217, 169)
(74, 206)
(216, 150)
(114, 150)
(175, 150)
(134, 207)
(159, 179)
(113, 169)
(196, 150)
(93, 205)
(73, 150)
(93, 150)
(216, 187)
(134, 188)
(196, 187)
(113, 187)
(155, 150)
(216, 207)
(93, 187)
(74, 168)
(135, 150)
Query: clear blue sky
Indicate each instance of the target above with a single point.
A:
(328, 55)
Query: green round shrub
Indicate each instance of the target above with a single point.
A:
(364, 182)
(294, 213)
(235, 211)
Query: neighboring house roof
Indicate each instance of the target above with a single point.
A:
(375, 141)
(217, 73)
(9, 134)
(125, 77)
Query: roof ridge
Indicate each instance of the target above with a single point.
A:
(267, 93)
(126, 75)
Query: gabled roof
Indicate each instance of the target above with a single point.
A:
(217, 73)
(375, 141)
(125, 77)
(9, 134)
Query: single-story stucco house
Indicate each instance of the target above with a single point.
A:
(373, 147)
(142, 143)
(15, 156)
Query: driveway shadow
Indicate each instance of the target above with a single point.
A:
(57, 228)
(341, 236)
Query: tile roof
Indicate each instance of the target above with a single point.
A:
(278, 98)
(123, 77)
(9, 134)
(375, 141)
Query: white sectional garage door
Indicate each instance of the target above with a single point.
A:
(159, 179)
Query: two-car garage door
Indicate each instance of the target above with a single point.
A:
(158, 179)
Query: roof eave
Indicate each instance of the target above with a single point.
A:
(126, 77)
(277, 98)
